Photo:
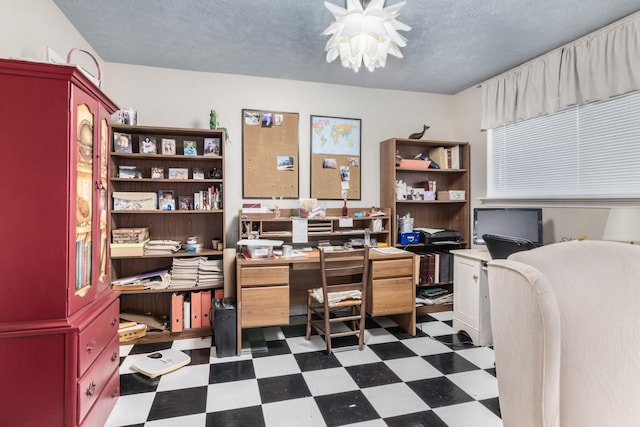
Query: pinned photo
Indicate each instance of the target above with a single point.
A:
(329, 164)
(285, 163)
(267, 120)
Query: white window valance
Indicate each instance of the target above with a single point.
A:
(598, 66)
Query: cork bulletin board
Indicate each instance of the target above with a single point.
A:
(269, 154)
(335, 158)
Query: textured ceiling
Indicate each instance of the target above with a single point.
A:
(453, 44)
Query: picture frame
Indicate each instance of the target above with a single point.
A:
(168, 146)
(335, 157)
(198, 173)
(178, 173)
(122, 142)
(166, 202)
(157, 172)
(189, 148)
(147, 144)
(185, 203)
(212, 146)
(129, 172)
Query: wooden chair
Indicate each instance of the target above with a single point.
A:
(343, 295)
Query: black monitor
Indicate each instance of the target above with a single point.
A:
(524, 223)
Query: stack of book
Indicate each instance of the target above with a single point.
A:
(433, 296)
(162, 247)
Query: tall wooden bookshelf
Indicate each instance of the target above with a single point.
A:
(205, 222)
(441, 213)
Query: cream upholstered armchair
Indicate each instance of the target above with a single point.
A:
(566, 334)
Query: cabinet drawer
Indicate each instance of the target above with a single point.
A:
(391, 296)
(265, 306)
(94, 339)
(104, 404)
(264, 276)
(391, 268)
(92, 383)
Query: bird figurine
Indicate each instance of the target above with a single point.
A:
(418, 135)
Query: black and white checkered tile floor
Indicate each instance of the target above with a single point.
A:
(433, 379)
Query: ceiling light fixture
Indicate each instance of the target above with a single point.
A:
(365, 32)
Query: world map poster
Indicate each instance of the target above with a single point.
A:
(335, 158)
(335, 135)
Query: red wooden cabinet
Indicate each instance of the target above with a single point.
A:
(58, 315)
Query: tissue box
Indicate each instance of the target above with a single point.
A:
(409, 238)
(451, 195)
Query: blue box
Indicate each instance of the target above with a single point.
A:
(409, 238)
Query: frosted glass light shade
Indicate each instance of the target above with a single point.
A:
(623, 225)
(366, 36)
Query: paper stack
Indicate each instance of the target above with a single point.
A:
(162, 247)
(210, 272)
(184, 272)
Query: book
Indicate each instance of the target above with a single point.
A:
(122, 142)
(129, 172)
(147, 144)
(198, 173)
(189, 148)
(178, 173)
(439, 156)
(157, 172)
(128, 249)
(168, 146)
(212, 146)
(166, 202)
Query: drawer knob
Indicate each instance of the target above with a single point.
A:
(91, 345)
(114, 356)
(91, 389)
(115, 392)
(114, 321)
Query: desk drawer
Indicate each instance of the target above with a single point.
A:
(391, 296)
(391, 268)
(96, 336)
(264, 276)
(265, 306)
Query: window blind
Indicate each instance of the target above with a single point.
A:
(587, 151)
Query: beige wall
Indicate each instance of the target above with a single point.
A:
(166, 97)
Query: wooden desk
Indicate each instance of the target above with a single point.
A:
(266, 288)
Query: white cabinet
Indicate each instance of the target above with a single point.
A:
(471, 311)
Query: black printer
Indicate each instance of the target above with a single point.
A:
(430, 236)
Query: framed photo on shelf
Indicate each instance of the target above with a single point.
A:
(168, 146)
(185, 203)
(189, 148)
(157, 172)
(147, 144)
(212, 146)
(122, 142)
(198, 173)
(166, 202)
(178, 173)
(129, 172)
(335, 158)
